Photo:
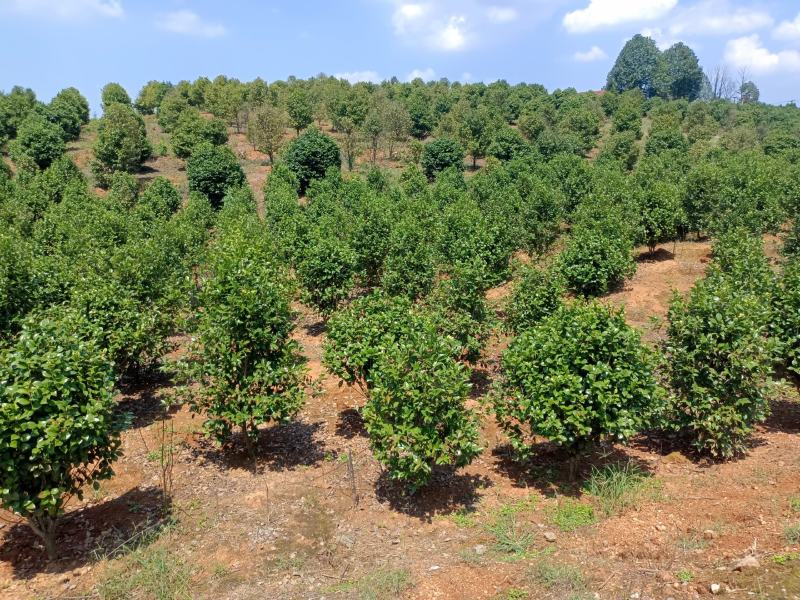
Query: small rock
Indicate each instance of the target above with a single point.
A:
(661, 527)
(435, 568)
(550, 536)
(710, 534)
(715, 588)
(748, 562)
(480, 549)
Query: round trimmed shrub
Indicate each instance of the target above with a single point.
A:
(415, 414)
(581, 375)
(192, 130)
(440, 154)
(720, 359)
(310, 155)
(121, 143)
(536, 296)
(113, 93)
(161, 198)
(213, 170)
(248, 369)
(595, 262)
(39, 139)
(56, 421)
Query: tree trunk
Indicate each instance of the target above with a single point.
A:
(45, 528)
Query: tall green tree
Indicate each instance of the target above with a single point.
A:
(679, 74)
(121, 143)
(265, 129)
(300, 109)
(635, 67)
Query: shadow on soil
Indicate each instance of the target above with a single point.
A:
(350, 424)
(658, 255)
(447, 493)
(139, 404)
(548, 469)
(84, 533)
(785, 416)
(279, 448)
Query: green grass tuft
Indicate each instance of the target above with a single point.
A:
(570, 515)
(620, 486)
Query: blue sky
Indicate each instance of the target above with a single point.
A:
(51, 44)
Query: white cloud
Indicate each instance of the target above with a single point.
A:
(663, 40)
(189, 23)
(749, 53)
(466, 77)
(66, 10)
(717, 17)
(452, 36)
(502, 14)
(607, 13)
(788, 30)
(592, 54)
(357, 76)
(408, 16)
(437, 26)
(424, 74)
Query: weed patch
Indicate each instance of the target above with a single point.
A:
(570, 515)
(620, 486)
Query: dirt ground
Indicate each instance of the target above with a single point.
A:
(318, 519)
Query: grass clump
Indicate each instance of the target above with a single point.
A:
(620, 486)
(382, 584)
(565, 580)
(511, 537)
(570, 515)
(794, 504)
(684, 575)
(147, 573)
(792, 534)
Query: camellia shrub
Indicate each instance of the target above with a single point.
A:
(580, 376)
(16, 280)
(440, 154)
(594, 262)
(310, 155)
(459, 310)
(38, 139)
(720, 359)
(213, 170)
(786, 314)
(247, 368)
(192, 130)
(327, 273)
(415, 389)
(121, 143)
(57, 431)
(537, 295)
(161, 198)
(410, 264)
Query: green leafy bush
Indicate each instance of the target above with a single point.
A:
(40, 140)
(160, 197)
(56, 421)
(70, 110)
(192, 130)
(248, 369)
(121, 143)
(661, 207)
(786, 313)
(594, 262)
(720, 359)
(579, 376)
(310, 155)
(113, 93)
(536, 296)
(410, 264)
(415, 389)
(441, 154)
(17, 280)
(326, 271)
(213, 170)
(458, 308)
